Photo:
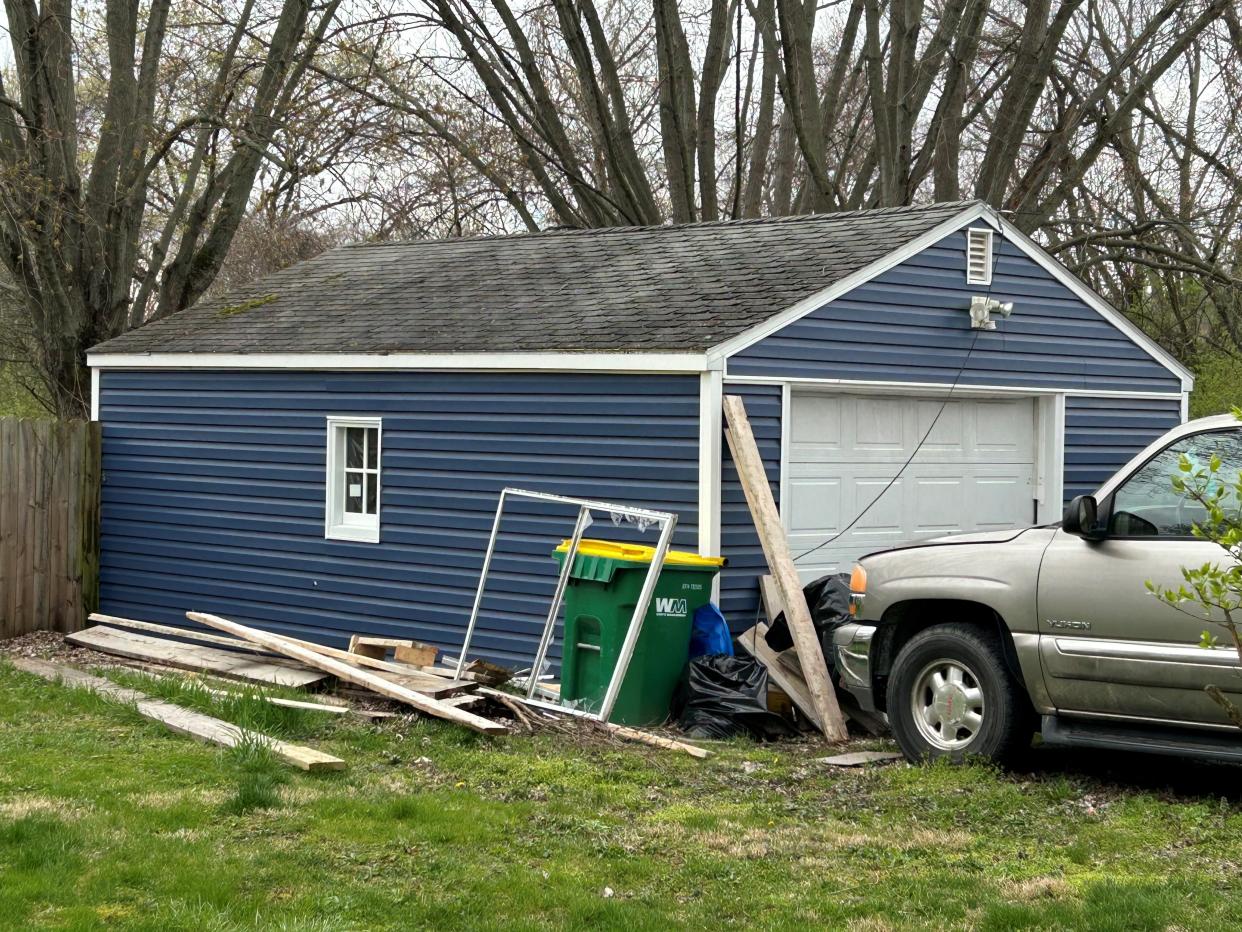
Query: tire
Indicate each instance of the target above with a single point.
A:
(950, 694)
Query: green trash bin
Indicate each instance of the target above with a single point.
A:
(600, 596)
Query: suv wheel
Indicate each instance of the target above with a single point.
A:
(950, 694)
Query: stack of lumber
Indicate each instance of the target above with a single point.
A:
(231, 651)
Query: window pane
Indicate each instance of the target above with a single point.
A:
(354, 439)
(372, 448)
(1146, 504)
(353, 493)
(372, 488)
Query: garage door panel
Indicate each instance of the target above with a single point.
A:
(946, 431)
(815, 505)
(975, 472)
(816, 429)
(1002, 501)
(937, 506)
(1004, 428)
(878, 425)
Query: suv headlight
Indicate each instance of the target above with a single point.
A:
(858, 588)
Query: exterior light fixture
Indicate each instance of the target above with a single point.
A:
(981, 311)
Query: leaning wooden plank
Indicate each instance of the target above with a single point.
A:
(350, 674)
(189, 634)
(775, 544)
(191, 657)
(771, 599)
(183, 721)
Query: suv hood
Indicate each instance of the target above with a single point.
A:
(980, 537)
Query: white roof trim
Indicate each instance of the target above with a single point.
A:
(849, 283)
(971, 214)
(1071, 281)
(548, 362)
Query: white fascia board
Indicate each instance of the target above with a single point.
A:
(1071, 281)
(898, 388)
(849, 283)
(512, 362)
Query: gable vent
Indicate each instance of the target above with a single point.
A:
(978, 257)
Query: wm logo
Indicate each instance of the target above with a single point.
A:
(671, 607)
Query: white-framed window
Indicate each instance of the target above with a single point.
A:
(352, 509)
(978, 256)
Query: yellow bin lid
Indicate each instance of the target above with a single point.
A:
(637, 553)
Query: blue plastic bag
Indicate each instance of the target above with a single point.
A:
(709, 633)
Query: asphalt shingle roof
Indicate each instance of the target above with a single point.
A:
(680, 288)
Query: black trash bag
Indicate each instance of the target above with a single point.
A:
(829, 600)
(721, 696)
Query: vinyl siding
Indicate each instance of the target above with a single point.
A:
(213, 495)
(739, 583)
(911, 325)
(1103, 434)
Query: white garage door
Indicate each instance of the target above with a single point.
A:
(975, 472)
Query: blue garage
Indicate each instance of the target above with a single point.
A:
(321, 454)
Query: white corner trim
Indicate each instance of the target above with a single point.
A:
(547, 362)
(1185, 407)
(850, 282)
(1071, 281)
(1050, 449)
(711, 453)
(94, 393)
(334, 527)
(786, 442)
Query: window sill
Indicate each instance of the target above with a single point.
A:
(355, 533)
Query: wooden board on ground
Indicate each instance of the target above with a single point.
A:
(333, 709)
(775, 543)
(183, 721)
(351, 674)
(861, 758)
(189, 634)
(233, 666)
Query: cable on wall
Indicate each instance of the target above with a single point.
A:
(944, 402)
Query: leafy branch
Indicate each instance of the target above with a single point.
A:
(1215, 588)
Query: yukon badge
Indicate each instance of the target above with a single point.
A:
(1066, 623)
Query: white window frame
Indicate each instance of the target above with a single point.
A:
(986, 278)
(339, 525)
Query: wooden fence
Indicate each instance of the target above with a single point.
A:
(49, 524)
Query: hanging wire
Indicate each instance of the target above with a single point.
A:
(943, 404)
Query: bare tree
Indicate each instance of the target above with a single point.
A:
(120, 205)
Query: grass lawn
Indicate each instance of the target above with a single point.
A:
(107, 821)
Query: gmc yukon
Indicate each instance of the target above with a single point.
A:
(972, 643)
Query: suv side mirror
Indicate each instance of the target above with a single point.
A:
(1081, 518)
